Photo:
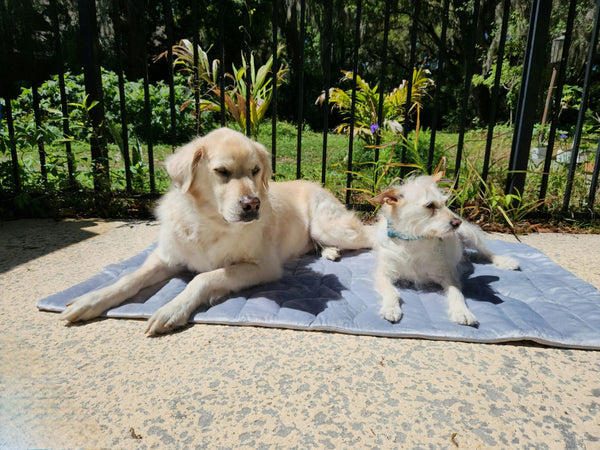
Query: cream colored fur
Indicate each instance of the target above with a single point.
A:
(225, 221)
(427, 246)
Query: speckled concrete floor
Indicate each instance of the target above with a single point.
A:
(106, 385)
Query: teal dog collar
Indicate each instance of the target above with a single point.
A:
(397, 235)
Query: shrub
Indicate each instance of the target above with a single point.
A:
(50, 107)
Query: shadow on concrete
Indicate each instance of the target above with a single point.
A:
(27, 239)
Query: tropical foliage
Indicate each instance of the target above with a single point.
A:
(246, 81)
(366, 125)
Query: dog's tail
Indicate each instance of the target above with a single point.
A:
(332, 225)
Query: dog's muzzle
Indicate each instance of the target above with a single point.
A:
(250, 207)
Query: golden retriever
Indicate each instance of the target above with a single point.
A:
(225, 221)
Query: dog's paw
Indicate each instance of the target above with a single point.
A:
(166, 319)
(505, 262)
(464, 316)
(391, 313)
(330, 253)
(86, 307)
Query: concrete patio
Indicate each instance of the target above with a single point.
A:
(104, 384)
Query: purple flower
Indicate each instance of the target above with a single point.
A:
(374, 128)
(563, 136)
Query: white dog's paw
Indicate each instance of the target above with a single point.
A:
(505, 262)
(463, 316)
(166, 319)
(392, 313)
(330, 253)
(86, 307)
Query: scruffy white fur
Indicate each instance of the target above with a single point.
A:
(223, 220)
(426, 246)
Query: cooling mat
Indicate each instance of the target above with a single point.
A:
(541, 302)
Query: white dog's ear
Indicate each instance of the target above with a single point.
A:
(390, 197)
(182, 165)
(265, 162)
(438, 176)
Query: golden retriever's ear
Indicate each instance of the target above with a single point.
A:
(390, 197)
(182, 165)
(265, 162)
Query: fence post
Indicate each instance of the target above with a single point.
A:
(93, 89)
(439, 85)
(247, 52)
(558, 94)
(14, 157)
(170, 76)
(327, 48)
(222, 58)
(409, 82)
(353, 104)
(594, 180)
(382, 75)
(118, 26)
(300, 90)
(275, 46)
(468, 81)
(58, 49)
(495, 90)
(535, 56)
(582, 109)
(148, 109)
(196, 74)
(40, 141)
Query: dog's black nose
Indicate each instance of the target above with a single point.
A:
(250, 204)
(455, 223)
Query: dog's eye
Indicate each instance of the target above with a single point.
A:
(223, 172)
(430, 205)
(255, 170)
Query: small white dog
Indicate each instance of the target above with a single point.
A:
(420, 240)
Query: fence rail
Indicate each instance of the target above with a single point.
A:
(94, 56)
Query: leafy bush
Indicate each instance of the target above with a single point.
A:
(50, 107)
(51, 134)
(159, 104)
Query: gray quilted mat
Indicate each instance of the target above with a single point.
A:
(542, 302)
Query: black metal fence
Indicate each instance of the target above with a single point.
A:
(467, 16)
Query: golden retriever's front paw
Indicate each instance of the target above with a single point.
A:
(86, 307)
(166, 319)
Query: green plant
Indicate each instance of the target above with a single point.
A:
(160, 123)
(571, 97)
(258, 81)
(366, 124)
(373, 176)
(261, 91)
(139, 170)
(27, 133)
(50, 105)
(481, 200)
(510, 80)
(373, 173)
(540, 131)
